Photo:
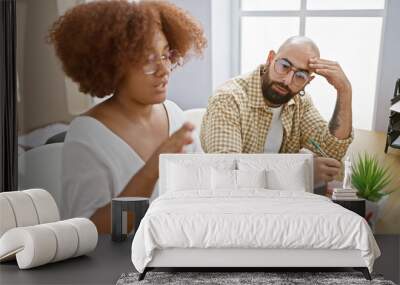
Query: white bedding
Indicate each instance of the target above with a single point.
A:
(251, 218)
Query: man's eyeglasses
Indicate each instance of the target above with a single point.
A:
(170, 60)
(283, 67)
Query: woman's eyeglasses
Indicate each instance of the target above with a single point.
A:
(170, 60)
(283, 67)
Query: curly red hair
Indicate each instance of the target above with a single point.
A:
(97, 41)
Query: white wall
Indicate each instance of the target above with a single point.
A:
(191, 85)
(221, 46)
(389, 70)
(42, 99)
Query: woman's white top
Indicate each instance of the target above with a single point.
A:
(275, 132)
(97, 164)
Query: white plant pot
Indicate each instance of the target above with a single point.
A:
(374, 211)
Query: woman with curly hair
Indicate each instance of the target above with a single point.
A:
(127, 50)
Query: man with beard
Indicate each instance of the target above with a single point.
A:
(267, 111)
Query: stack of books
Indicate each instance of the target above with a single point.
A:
(344, 194)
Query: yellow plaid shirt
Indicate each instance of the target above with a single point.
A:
(237, 121)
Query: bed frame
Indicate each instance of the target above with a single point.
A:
(248, 259)
(234, 259)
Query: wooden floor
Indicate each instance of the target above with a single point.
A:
(374, 143)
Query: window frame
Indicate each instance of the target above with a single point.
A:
(236, 37)
(303, 13)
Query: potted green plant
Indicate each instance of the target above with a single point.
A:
(370, 179)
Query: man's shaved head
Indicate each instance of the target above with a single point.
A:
(300, 42)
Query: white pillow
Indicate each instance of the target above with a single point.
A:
(223, 179)
(187, 177)
(251, 178)
(226, 179)
(293, 178)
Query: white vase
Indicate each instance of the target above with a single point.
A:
(374, 211)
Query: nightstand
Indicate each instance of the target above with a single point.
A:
(119, 208)
(356, 205)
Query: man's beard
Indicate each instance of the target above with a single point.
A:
(271, 95)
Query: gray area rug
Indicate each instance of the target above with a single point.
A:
(229, 278)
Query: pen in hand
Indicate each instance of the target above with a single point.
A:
(317, 146)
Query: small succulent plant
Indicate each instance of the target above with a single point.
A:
(369, 178)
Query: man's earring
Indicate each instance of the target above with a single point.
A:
(302, 93)
(263, 69)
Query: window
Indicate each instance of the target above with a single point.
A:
(347, 31)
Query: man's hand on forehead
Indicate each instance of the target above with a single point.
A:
(333, 73)
(320, 63)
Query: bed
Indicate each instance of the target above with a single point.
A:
(247, 211)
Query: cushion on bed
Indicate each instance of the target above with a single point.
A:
(278, 178)
(183, 178)
(181, 172)
(251, 178)
(226, 179)
(223, 179)
(195, 174)
(277, 173)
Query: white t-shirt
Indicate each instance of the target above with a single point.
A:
(275, 132)
(97, 164)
